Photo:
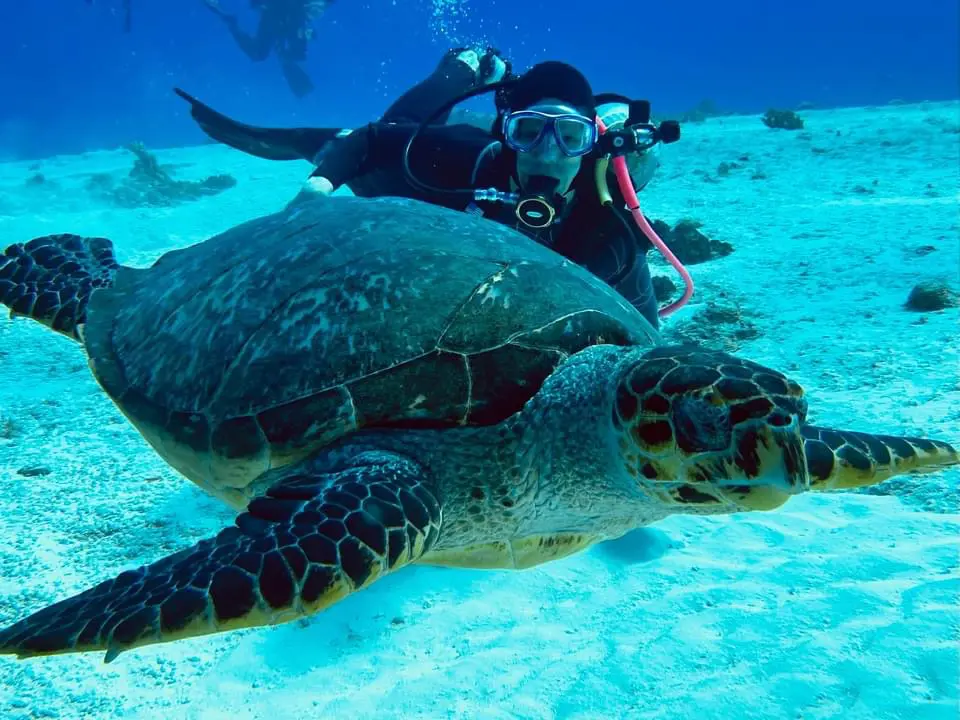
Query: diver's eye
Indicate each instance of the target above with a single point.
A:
(526, 130)
(574, 134)
(701, 426)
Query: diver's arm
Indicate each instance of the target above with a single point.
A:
(341, 160)
(612, 258)
(442, 156)
(344, 159)
(637, 288)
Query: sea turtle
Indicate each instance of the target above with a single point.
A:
(375, 383)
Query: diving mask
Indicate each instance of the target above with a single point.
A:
(524, 130)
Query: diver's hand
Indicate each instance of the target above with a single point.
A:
(314, 187)
(318, 185)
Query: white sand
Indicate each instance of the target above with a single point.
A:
(842, 606)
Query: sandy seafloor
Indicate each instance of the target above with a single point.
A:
(835, 606)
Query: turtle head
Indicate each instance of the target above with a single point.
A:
(705, 432)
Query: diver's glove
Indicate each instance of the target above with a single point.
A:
(488, 66)
(314, 187)
(317, 185)
(494, 67)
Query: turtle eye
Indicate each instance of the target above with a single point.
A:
(701, 426)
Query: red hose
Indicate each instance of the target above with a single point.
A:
(633, 204)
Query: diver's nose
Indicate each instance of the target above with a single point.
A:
(548, 149)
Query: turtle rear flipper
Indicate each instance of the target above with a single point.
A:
(842, 459)
(322, 531)
(50, 278)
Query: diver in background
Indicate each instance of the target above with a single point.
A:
(284, 28)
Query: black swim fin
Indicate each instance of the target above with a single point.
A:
(267, 143)
(297, 79)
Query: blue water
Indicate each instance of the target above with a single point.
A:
(70, 80)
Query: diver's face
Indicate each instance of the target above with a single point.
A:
(547, 158)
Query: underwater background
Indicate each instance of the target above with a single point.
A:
(829, 251)
(70, 80)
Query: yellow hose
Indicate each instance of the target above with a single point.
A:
(600, 176)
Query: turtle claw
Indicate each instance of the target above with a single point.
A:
(51, 278)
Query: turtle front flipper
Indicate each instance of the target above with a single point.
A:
(50, 279)
(841, 459)
(322, 531)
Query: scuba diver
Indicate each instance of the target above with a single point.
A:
(542, 168)
(536, 171)
(285, 29)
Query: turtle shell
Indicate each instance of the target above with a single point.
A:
(260, 345)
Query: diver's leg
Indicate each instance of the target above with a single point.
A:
(297, 79)
(293, 41)
(291, 51)
(460, 70)
(255, 47)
